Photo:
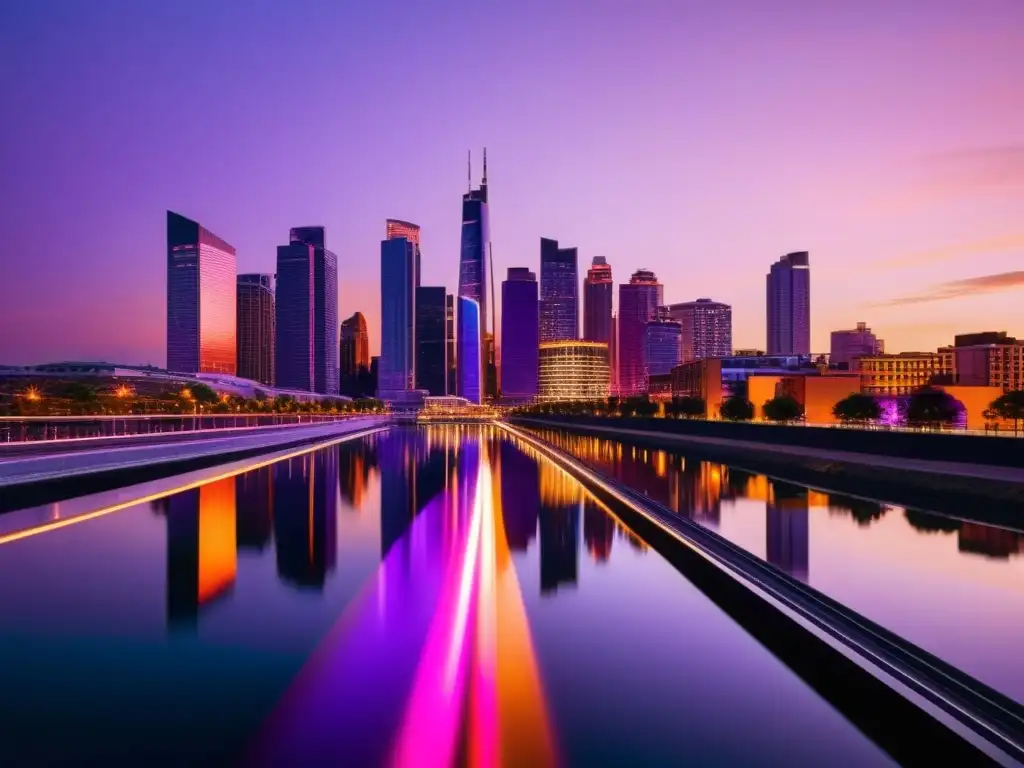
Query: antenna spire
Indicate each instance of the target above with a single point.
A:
(469, 169)
(484, 182)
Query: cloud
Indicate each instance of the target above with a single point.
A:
(974, 168)
(955, 289)
(968, 250)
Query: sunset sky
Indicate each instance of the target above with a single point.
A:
(699, 139)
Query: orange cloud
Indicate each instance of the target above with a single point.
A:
(982, 247)
(955, 289)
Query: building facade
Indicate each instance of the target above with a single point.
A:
(354, 355)
(449, 319)
(325, 308)
(469, 347)
(705, 328)
(255, 328)
(398, 282)
(294, 322)
(661, 348)
(475, 248)
(638, 302)
(597, 302)
(900, 374)
(856, 342)
(201, 299)
(431, 340)
(990, 359)
(520, 335)
(789, 305)
(573, 370)
(559, 284)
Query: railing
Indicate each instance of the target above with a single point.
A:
(33, 428)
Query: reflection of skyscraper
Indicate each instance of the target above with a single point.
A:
(354, 472)
(787, 532)
(520, 482)
(254, 494)
(559, 528)
(325, 308)
(201, 555)
(559, 286)
(305, 518)
(200, 299)
(997, 543)
(598, 531)
(397, 487)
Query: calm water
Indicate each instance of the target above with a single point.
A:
(439, 594)
(954, 588)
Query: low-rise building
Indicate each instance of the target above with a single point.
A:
(573, 370)
(899, 374)
(990, 359)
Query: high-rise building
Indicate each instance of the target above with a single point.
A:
(520, 335)
(354, 355)
(431, 340)
(475, 248)
(325, 308)
(559, 283)
(613, 355)
(470, 368)
(395, 228)
(706, 328)
(201, 297)
(572, 370)
(789, 305)
(255, 328)
(294, 321)
(449, 321)
(638, 301)
(856, 342)
(597, 302)
(398, 281)
(989, 359)
(661, 347)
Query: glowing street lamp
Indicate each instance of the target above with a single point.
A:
(33, 395)
(123, 391)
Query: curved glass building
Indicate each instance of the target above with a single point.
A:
(573, 370)
(469, 346)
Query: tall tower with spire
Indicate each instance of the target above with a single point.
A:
(475, 249)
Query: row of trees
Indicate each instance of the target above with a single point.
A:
(79, 398)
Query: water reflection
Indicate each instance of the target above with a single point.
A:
(925, 576)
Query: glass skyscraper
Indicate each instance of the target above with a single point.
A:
(449, 322)
(470, 371)
(294, 323)
(706, 328)
(398, 282)
(520, 335)
(661, 348)
(789, 305)
(325, 308)
(475, 248)
(597, 302)
(638, 302)
(559, 284)
(431, 346)
(201, 299)
(255, 328)
(355, 346)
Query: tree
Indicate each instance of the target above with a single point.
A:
(77, 392)
(932, 408)
(783, 408)
(1010, 406)
(204, 394)
(737, 408)
(686, 407)
(857, 409)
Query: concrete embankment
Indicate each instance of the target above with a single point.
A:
(935, 471)
(29, 480)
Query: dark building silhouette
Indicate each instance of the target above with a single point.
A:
(787, 535)
(255, 328)
(520, 335)
(559, 543)
(295, 321)
(354, 357)
(201, 297)
(598, 531)
(789, 305)
(398, 487)
(597, 302)
(305, 518)
(325, 308)
(559, 285)
(431, 340)
(520, 504)
(449, 324)
(254, 504)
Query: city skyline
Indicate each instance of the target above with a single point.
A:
(905, 192)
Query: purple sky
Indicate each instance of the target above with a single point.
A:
(698, 139)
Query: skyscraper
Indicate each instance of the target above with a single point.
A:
(470, 369)
(597, 302)
(638, 302)
(255, 328)
(476, 246)
(706, 328)
(431, 346)
(354, 357)
(789, 305)
(201, 298)
(293, 325)
(449, 322)
(856, 342)
(325, 308)
(559, 281)
(520, 335)
(613, 355)
(661, 347)
(398, 281)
